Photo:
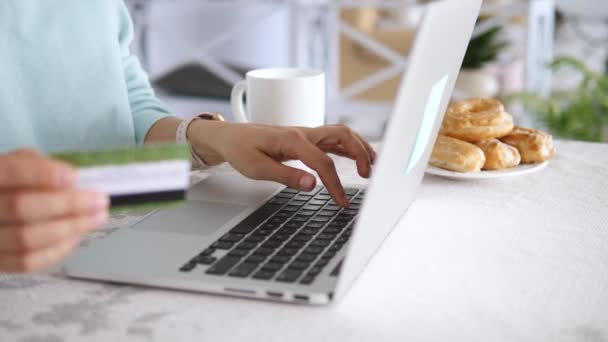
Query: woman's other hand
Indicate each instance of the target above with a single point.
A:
(257, 151)
(42, 215)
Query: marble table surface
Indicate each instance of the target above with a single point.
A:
(521, 259)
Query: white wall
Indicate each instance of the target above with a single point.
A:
(176, 29)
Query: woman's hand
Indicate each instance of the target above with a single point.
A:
(42, 216)
(258, 151)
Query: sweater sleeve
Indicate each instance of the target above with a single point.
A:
(146, 108)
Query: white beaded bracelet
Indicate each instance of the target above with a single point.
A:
(181, 136)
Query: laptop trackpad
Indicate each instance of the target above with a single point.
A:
(193, 218)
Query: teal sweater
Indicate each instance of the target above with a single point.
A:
(67, 78)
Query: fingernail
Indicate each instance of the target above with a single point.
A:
(99, 202)
(346, 202)
(99, 218)
(307, 182)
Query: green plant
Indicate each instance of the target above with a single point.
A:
(484, 48)
(580, 113)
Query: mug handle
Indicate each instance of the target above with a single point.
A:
(237, 99)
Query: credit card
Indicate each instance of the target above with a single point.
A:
(149, 176)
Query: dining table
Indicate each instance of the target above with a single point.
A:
(513, 259)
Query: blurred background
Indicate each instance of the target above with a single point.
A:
(546, 59)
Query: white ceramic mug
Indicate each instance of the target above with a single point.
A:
(284, 97)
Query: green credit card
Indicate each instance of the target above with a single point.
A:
(150, 176)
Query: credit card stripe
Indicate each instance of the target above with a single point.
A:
(151, 197)
(136, 178)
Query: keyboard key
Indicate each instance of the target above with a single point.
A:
(323, 197)
(290, 231)
(243, 270)
(317, 202)
(328, 255)
(332, 230)
(320, 243)
(321, 219)
(293, 224)
(306, 257)
(350, 212)
(255, 238)
(264, 251)
(289, 191)
(280, 237)
(285, 195)
(206, 260)
(327, 213)
(311, 207)
(289, 276)
(284, 214)
(222, 266)
(291, 208)
(326, 236)
(189, 266)
(255, 259)
(278, 200)
(295, 244)
(302, 237)
(309, 231)
(238, 253)
(307, 280)
(288, 251)
(263, 275)
(322, 263)
(207, 252)
(297, 203)
(262, 232)
(271, 226)
(246, 245)
(315, 271)
(272, 267)
(230, 237)
(222, 245)
(332, 207)
(303, 197)
(277, 220)
(315, 225)
(313, 250)
(272, 244)
(298, 266)
(306, 213)
(280, 259)
(299, 218)
(335, 247)
(342, 239)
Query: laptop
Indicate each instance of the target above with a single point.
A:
(239, 237)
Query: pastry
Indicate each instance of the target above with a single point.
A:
(534, 146)
(477, 120)
(499, 156)
(457, 155)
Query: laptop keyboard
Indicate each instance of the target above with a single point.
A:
(291, 238)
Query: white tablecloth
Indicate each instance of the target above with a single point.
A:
(522, 259)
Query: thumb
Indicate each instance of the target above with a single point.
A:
(265, 168)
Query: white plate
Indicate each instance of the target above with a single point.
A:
(516, 171)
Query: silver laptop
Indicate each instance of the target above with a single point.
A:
(258, 239)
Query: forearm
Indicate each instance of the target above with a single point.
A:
(163, 131)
